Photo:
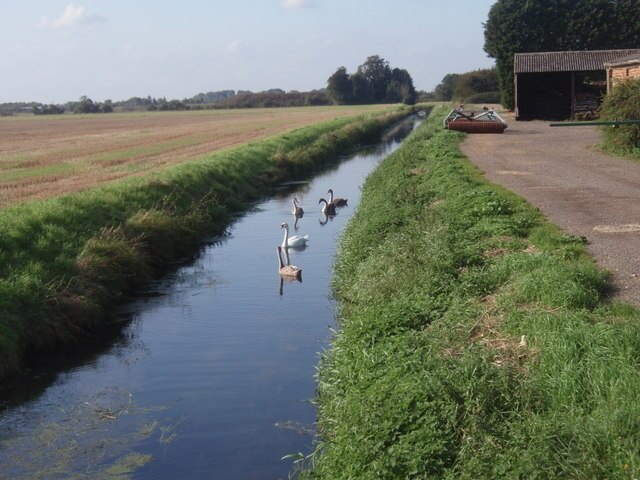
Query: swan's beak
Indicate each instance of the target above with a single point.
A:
(282, 225)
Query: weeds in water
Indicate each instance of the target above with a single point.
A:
(83, 438)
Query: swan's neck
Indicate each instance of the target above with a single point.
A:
(330, 196)
(280, 264)
(286, 236)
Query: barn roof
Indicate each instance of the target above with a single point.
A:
(572, 61)
(626, 60)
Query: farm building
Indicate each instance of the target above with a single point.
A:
(622, 69)
(561, 85)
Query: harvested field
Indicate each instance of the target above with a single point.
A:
(43, 157)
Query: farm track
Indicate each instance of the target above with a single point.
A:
(44, 157)
(582, 190)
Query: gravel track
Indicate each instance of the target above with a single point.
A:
(587, 193)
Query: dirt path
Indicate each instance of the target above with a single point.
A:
(586, 193)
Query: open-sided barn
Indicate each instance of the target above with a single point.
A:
(561, 85)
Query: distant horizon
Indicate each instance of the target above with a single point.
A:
(160, 97)
(52, 51)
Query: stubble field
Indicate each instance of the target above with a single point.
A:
(43, 157)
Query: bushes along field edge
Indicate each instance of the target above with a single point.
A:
(473, 338)
(65, 262)
(622, 103)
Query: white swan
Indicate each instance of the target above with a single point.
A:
(327, 208)
(338, 202)
(297, 211)
(293, 241)
(287, 270)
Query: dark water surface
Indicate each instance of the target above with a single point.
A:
(213, 373)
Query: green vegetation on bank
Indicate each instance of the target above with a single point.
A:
(622, 103)
(64, 262)
(473, 338)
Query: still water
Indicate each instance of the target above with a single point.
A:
(211, 374)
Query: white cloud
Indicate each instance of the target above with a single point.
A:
(73, 17)
(234, 46)
(295, 4)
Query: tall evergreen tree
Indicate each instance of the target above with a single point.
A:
(401, 80)
(363, 91)
(377, 73)
(515, 26)
(340, 87)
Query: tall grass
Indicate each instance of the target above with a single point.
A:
(473, 338)
(65, 262)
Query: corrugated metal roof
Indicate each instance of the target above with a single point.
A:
(578, 61)
(627, 59)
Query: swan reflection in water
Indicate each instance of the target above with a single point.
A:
(284, 280)
(325, 218)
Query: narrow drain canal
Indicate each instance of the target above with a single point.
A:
(212, 375)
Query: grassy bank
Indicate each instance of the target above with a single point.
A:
(65, 262)
(473, 338)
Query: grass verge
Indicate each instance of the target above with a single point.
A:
(473, 338)
(66, 261)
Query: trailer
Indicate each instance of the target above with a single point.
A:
(489, 121)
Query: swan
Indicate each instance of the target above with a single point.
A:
(293, 241)
(297, 211)
(338, 202)
(287, 270)
(327, 208)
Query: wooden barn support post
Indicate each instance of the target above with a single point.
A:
(573, 93)
(515, 81)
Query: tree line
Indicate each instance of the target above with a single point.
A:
(477, 86)
(373, 82)
(224, 99)
(516, 26)
(275, 99)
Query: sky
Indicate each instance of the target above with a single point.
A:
(54, 51)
